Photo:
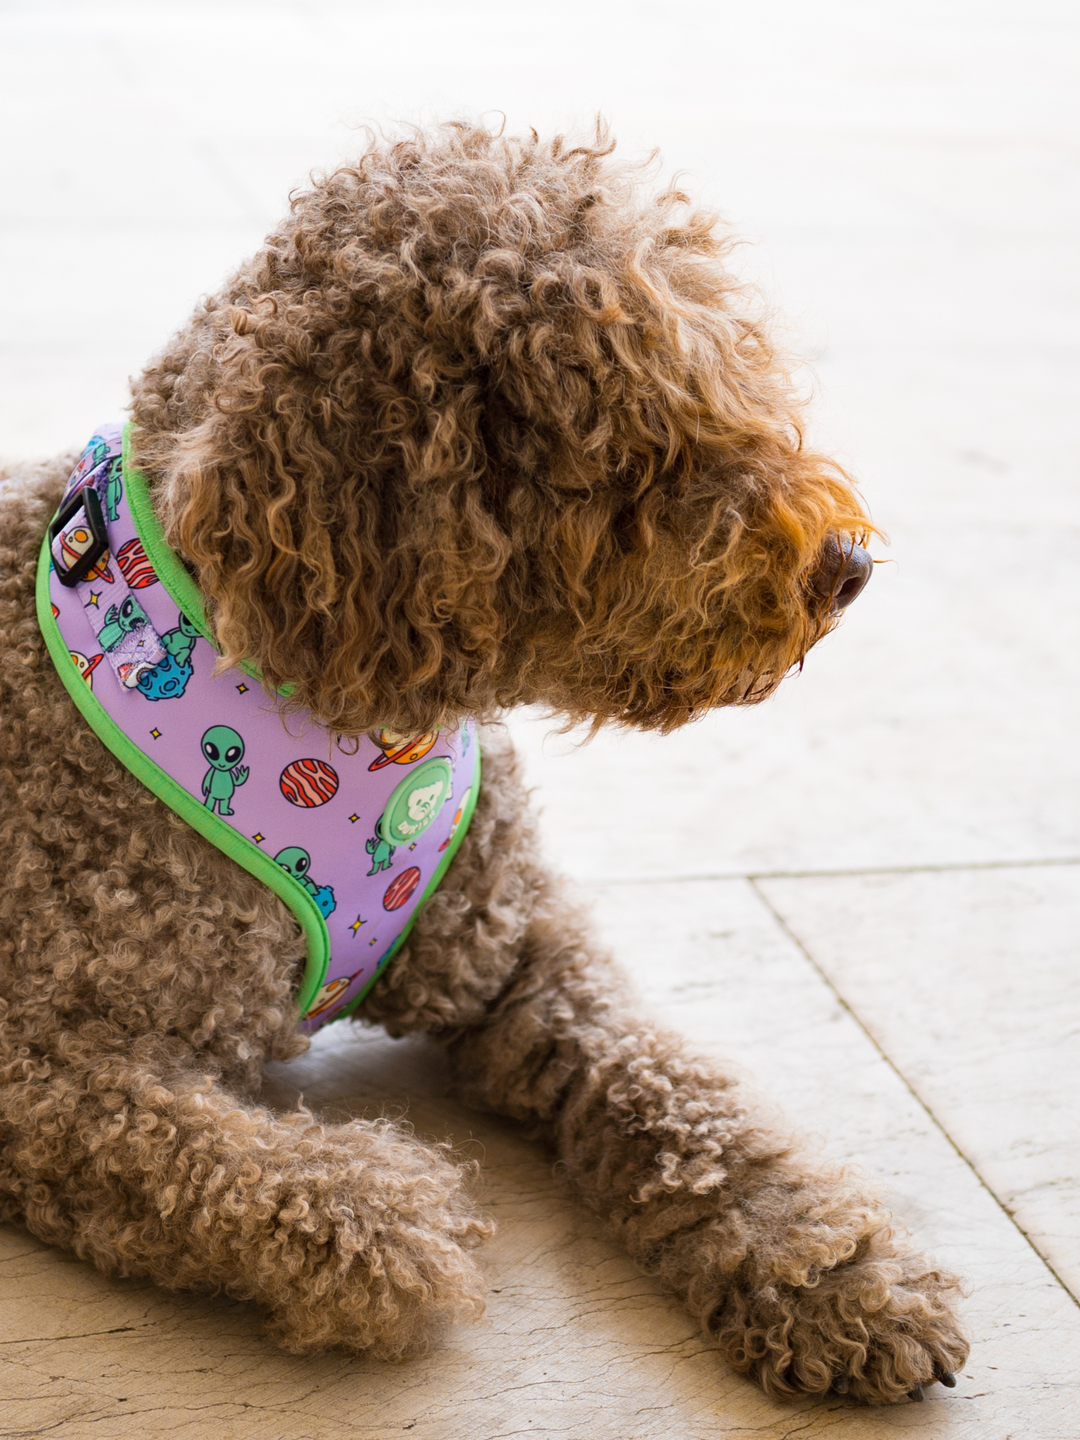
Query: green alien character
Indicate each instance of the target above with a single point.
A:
(114, 487)
(296, 861)
(224, 748)
(380, 849)
(180, 641)
(120, 621)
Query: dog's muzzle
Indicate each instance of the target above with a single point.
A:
(842, 574)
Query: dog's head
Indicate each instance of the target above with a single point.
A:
(487, 422)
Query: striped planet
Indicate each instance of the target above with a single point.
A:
(399, 890)
(308, 783)
(134, 566)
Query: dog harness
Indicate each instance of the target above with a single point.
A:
(353, 835)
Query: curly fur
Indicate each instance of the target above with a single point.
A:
(485, 424)
(482, 423)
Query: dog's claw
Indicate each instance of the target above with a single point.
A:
(917, 1394)
(947, 1378)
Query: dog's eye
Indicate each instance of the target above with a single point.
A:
(233, 753)
(211, 751)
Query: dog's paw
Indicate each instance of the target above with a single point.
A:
(877, 1329)
(376, 1257)
(394, 1297)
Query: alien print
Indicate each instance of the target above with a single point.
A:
(352, 834)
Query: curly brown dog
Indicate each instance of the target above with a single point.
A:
(485, 423)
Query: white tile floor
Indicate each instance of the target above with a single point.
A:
(909, 173)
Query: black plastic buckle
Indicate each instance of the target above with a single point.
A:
(89, 502)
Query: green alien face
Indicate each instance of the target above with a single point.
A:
(295, 860)
(223, 747)
(131, 614)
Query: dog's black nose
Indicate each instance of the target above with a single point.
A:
(843, 572)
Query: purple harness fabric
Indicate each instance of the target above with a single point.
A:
(362, 829)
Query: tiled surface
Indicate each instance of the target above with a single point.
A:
(909, 175)
(968, 982)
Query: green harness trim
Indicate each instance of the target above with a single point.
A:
(183, 590)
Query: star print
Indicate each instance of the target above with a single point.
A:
(355, 926)
(354, 818)
(95, 596)
(156, 734)
(242, 689)
(258, 838)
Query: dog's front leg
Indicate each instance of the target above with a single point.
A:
(143, 1163)
(794, 1267)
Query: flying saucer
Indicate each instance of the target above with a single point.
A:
(85, 666)
(331, 994)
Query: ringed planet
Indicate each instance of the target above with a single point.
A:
(401, 750)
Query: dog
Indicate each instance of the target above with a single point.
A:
(487, 422)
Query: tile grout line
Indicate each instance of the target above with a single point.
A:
(753, 876)
(752, 881)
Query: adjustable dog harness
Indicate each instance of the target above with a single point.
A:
(353, 835)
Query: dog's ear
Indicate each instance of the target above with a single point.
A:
(337, 529)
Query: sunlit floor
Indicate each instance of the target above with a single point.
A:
(866, 891)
